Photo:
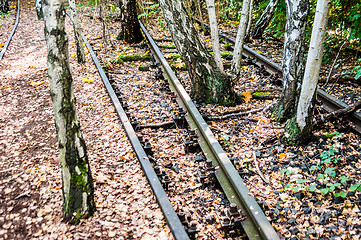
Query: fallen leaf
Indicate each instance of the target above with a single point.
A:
(87, 80)
(247, 96)
(34, 84)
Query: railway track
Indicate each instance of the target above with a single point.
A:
(329, 102)
(255, 224)
(7, 43)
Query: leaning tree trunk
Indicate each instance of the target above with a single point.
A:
(214, 33)
(199, 12)
(78, 39)
(78, 190)
(4, 6)
(209, 84)
(241, 36)
(248, 30)
(293, 59)
(264, 20)
(299, 128)
(130, 28)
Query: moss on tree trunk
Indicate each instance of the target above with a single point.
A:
(293, 135)
(78, 189)
(209, 84)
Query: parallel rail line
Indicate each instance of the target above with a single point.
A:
(5, 47)
(329, 102)
(256, 224)
(169, 213)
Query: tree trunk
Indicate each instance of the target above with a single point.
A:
(39, 11)
(199, 12)
(209, 84)
(78, 190)
(264, 20)
(78, 40)
(241, 36)
(130, 28)
(306, 102)
(4, 6)
(214, 33)
(248, 30)
(293, 58)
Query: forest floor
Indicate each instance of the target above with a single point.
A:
(30, 179)
(30, 189)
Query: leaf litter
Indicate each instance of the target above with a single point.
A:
(30, 189)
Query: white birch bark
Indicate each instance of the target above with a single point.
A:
(39, 11)
(248, 31)
(78, 190)
(264, 20)
(214, 33)
(293, 58)
(313, 64)
(241, 35)
(78, 39)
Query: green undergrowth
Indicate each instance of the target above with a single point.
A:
(324, 177)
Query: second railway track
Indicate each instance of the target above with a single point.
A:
(329, 102)
(7, 43)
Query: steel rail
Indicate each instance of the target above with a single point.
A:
(169, 213)
(3, 50)
(329, 102)
(256, 224)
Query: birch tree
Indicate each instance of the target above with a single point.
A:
(241, 36)
(248, 30)
(209, 84)
(293, 58)
(264, 20)
(77, 188)
(299, 129)
(4, 6)
(76, 26)
(214, 33)
(130, 28)
(39, 10)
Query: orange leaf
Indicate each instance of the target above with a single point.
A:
(247, 96)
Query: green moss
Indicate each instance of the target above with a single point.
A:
(173, 56)
(228, 46)
(167, 46)
(292, 133)
(130, 58)
(174, 66)
(278, 112)
(144, 44)
(261, 94)
(224, 54)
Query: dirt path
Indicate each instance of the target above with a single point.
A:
(30, 189)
